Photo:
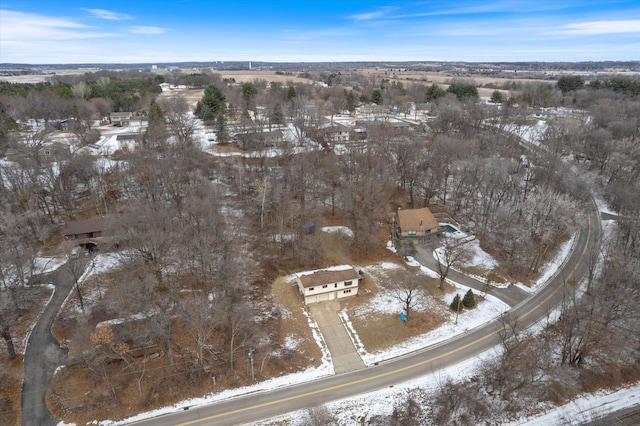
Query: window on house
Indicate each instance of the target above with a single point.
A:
(412, 232)
(335, 285)
(348, 283)
(347, 291)
(310, 288)
(325, 285)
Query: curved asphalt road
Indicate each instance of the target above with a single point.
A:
(43, 355)
(261, 405)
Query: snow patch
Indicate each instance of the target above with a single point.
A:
(550, 268)
(341, 229)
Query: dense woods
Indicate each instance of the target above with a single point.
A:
(198, 238)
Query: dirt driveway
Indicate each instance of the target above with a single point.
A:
(344, 354)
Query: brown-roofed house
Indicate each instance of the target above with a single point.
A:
(415, 223)
(87, 228)
(328, 284)
(89, 233)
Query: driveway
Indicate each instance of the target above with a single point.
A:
(344, 355)
(43, 355)
(511, 295)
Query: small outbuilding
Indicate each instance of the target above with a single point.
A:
(328, 284)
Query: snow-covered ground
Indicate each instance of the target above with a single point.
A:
(475, 257)
(382, 402)
(530, 133)
(550, 268)
(587, 408)
(324, 369)
(43, 265)
(341, 229)
(385, 302)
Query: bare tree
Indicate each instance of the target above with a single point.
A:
(180, 119)
(319, 415)
(406, 289)
(6, 335)
(75, 267)
(451, 252)
(240, 321)
(202, 317)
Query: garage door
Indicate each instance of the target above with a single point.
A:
(323, 297)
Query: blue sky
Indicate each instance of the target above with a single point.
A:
(134, 31)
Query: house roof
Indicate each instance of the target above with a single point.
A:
(416, 219)
(257, 136)
(337, 127)
(126, 137)
(87, 226)
(327, 276)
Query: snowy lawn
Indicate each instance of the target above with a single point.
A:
(385, 303)
(382, 402)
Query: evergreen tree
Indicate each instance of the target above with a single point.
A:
(222, 135)
(456, 305)
(376, 96)
(156, 116)
(568, 83)
(496, 97)
(276, 116)
(463, 90)
(249, 90)
(350, 101)
(291, 93)
(434, 92)
(156, 133)
(212, 104)
(469, 301)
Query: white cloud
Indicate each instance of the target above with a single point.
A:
(603, 27)
(20, 27)
(147, 30)
(380, 13)
(108, 15)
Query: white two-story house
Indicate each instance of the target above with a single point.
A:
(328, 284)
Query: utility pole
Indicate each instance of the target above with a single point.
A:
(253, 379)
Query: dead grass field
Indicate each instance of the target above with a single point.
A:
(243, 76)
(191, 95)
(441, 77)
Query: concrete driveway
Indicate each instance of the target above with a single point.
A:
(344, 354)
